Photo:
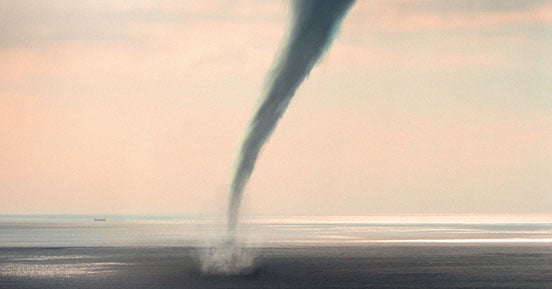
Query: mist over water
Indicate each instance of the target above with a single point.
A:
(227, 259)
(312, 30)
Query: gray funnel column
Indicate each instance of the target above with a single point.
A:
(314, 24)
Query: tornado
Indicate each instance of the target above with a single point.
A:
(313, 27)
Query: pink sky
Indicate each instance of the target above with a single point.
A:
(140, 107)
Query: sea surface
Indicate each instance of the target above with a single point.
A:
(278, 252)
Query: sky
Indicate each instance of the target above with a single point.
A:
(139, 107)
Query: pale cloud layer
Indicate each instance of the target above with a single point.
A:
(36, 23)
(140, 106)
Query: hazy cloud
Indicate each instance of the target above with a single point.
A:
(469, 6)
(111, 105)
(30, 23)
(451, 15)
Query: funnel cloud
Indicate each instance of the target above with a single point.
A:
(314, 25)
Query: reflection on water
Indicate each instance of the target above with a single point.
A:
(57, 270)
(48, 258)
(69, 231)
(53, 265)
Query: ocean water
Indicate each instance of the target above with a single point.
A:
(83, 230)
(278, 252)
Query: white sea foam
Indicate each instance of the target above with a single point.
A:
(228, 258)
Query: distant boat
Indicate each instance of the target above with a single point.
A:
(99, 219)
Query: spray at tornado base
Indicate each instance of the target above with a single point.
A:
(314, 25)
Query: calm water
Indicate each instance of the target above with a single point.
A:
(75, 231)
(306, 252)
